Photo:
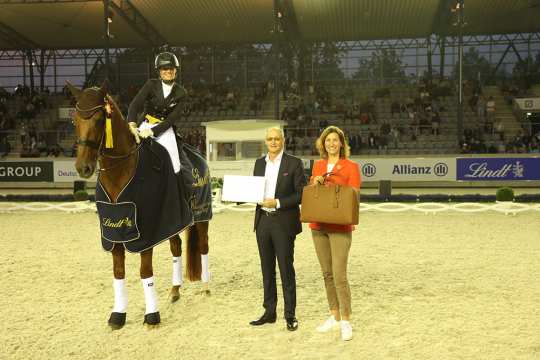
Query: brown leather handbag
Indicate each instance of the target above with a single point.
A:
(330, 204)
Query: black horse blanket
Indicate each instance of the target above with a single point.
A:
(152, 207)
(202, 185)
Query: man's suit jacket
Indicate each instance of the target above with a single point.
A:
(290, 183)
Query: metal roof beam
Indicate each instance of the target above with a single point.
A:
(134, 18)
(289, 21)
(18, 40)
(43, 1)
(442, 21)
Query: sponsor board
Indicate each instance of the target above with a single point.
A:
(26, 171)
(66, 113)
(408, 169)
(64, 171)
(485, 169)
(528, 104)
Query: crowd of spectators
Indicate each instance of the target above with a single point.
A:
(307, 111)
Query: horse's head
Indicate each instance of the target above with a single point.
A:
(89, 121)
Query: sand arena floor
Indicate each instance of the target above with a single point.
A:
(445, 286)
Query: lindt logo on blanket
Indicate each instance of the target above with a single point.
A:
(200, 181)
(117, 224)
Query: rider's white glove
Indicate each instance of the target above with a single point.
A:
(145, 133)
(135, 131)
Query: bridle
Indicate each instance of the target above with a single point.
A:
(86, 114)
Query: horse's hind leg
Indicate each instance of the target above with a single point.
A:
(118, 315)
(177, 280)
(151, 315)
(202, 231)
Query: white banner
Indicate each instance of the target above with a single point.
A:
(64, 171)
(232, 167)
(528, 104)
(66, 113)
(408, 169)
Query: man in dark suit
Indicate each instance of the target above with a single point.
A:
(277, 222)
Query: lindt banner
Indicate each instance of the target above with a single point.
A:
(518, 168)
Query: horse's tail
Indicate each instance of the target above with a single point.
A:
(193, 258)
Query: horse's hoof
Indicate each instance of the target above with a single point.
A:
(175, 294)
(205, 289)
(152, 318)
(117, 320)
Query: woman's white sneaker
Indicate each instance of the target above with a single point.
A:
(346, 330)
(328, 325)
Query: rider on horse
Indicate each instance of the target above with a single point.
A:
(157, 106)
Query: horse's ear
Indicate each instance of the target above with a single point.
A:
(104, 87)
(74, 91)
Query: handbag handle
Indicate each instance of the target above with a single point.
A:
(325, 175)
(337, 196)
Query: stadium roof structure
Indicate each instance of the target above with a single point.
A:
(77, 24)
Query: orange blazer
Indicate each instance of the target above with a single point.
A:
(345, 172)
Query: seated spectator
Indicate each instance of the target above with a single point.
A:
(74, 148)
(372, 141)
(323, 124)
(490, 109)
(5, 147)
(498, 128)
(435, 124)
(41, 146)
(255, 105)
(55, 150)
(395, 107)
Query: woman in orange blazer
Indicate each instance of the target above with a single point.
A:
(332, 241)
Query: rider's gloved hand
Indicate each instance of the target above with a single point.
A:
(145, 133)
(135, 131)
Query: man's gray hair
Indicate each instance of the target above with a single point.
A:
(278, 129)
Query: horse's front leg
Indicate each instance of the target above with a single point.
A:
(151, 315)
(118, 315)
(177, 280)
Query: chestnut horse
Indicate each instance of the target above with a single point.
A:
(116, 165)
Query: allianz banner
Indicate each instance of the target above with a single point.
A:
(408, 169)
(26, 171)
(519, 168)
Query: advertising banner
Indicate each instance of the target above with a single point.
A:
(64, 171)
(66, 113)
(408, 169)
(26, 171)
(482, 169)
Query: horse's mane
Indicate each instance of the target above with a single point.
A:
(115, 107)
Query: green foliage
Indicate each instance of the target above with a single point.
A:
(385, 63)
(217, 183)
(80, 195)
(527, 70)
(504, 194)
(473, 65)
(326, 61)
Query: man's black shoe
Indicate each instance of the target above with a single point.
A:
(266, 318)
(292, 324)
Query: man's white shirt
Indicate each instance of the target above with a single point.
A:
(271, 175)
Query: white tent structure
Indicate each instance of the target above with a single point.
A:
(237, 139)
(233, 145)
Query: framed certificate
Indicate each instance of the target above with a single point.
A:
(238, 188)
